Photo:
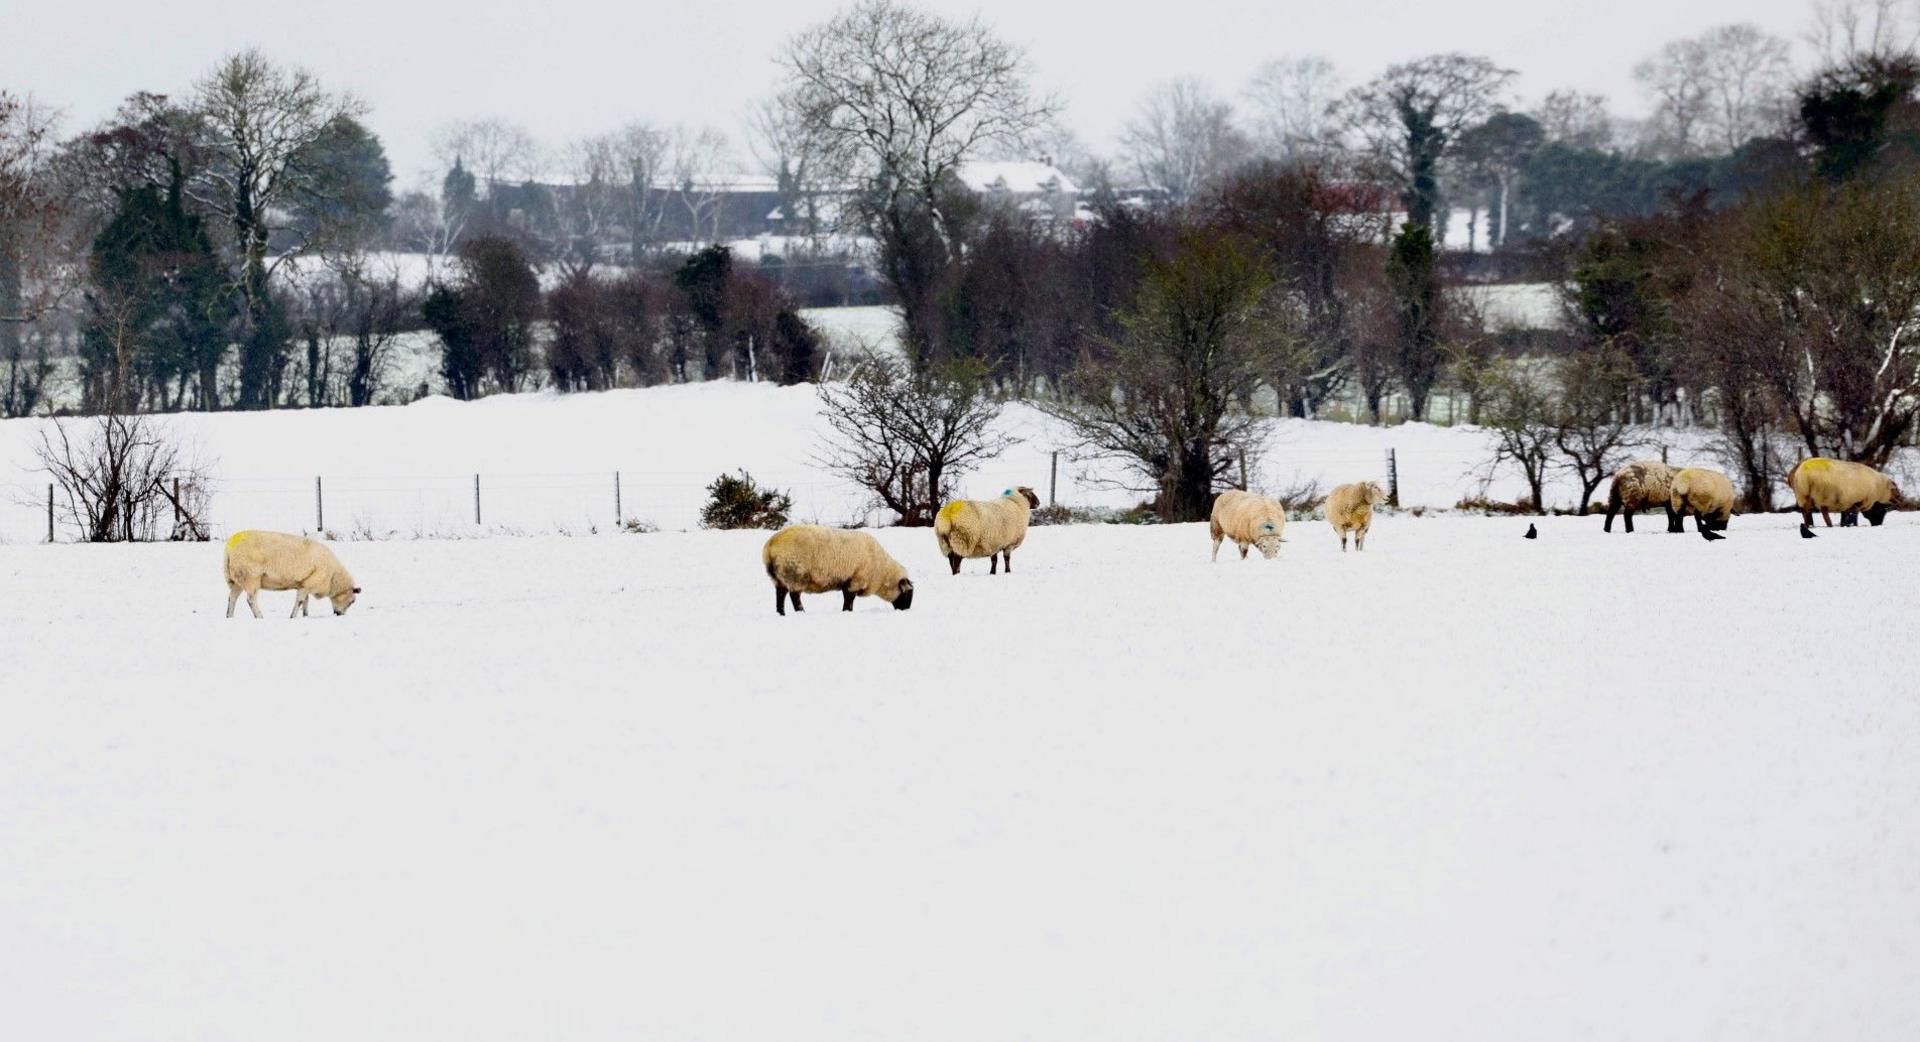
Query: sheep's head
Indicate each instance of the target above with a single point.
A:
(1375, 494)
(903, 595)
(1268, 539)
(1877, 513)
(343, 601)
(1033, 501)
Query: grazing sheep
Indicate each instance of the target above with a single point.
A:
(815, 559)
(992, 528)
(1707, 494)
(258, 561)
(1350, 509)
(1249, 520)
(1637, 486)
(1851, 488)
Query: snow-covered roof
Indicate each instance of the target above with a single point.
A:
(1023, 177)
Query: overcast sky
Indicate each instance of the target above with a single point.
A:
(565, 68)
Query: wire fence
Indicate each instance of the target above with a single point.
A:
(416, 506)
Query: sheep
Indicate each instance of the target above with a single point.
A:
(278, 561)
(1248, 519)
(1637, 486)
(1350, 509)
(991, 528)
(1706, 493)
(1851, 488)
(815, 559)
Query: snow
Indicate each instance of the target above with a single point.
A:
(1021, 177)
(1461, 786)
(546, 462)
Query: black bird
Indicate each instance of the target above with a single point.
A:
(1710, 535)
(1532, 533)
(1806, 532)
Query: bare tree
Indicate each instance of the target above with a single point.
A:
(1748, 83)
(909, 436)
(899, 98)
(257, 120)
(1522, 428)
(779, 141)
(497, 151)
(1820, 287)
(896, 100)
(1182, 138)
(1675, 78)
(639, 152)
(1717, 90)
(36, 253)
(1575, 119)
(1292, 101)
(1593, 431)
(698, 164)
(1844, 30)
(1406, 119)
(120, 475)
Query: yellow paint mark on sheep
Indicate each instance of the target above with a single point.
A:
(952, 511)
(236, 538)
(1816, 463)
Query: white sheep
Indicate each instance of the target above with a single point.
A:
(1637, 486)
(1827, 485)
(1350, 509)
(1706, 494)
(815, 559)
(992, 528)
(1248, 519)
(258, 561)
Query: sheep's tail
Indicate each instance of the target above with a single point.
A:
(943, 525)
(1613, 496)
(1791, 474)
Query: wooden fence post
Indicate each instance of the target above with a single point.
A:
(49, 511)
(1053, 481)
(476, 499)
(319, 508)
(1393, 480)
(617, 512)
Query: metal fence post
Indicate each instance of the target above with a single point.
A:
(617, 512)
(1393, 480)
(476, 499)
(49, 511)
(319, 507)
(1053, 481)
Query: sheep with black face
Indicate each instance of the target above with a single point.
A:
(992, 528)
(815, 559)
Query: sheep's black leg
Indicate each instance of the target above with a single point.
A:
(1827, 517)
(847, 605)
(1626, 518)
(994, 567)
(1009, 556)
(1675, 520)
(1243, 551)
(795, 594)
(1849, 519)
(779, 599)
(954, 560)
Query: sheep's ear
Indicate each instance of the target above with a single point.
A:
(905, 585)
(356, 589)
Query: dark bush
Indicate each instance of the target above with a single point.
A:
(736, 502)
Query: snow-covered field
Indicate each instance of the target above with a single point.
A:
(1461, 786)
(546, 462)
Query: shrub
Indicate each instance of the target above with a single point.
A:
(736, 502)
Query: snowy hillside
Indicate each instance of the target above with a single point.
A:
(546, 462)
(1460, 787)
